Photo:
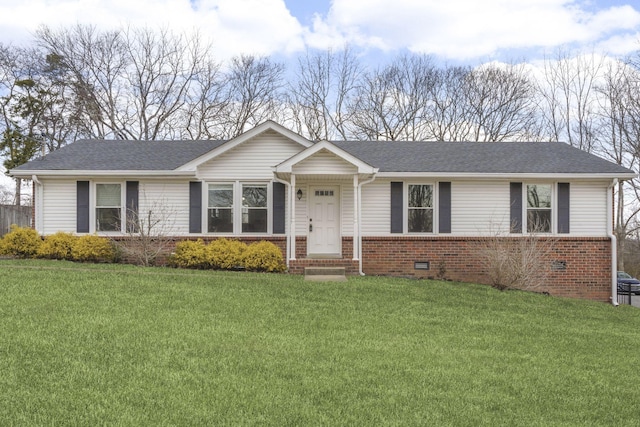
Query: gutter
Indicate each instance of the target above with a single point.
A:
(360, 223)
(614, 244)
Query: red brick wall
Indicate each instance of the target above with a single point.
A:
(587, 274)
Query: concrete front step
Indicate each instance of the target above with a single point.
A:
(325, 274)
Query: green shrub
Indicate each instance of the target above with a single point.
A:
(191, 254)
(21, 242)
(226, 254)
(57, 246)
(93, 248)
(263, 256)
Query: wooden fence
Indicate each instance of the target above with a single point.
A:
(11, 214)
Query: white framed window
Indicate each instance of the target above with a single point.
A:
(539, 214)
(220, 208)
(108, 207)
(238, 207)
(420, 208)
(254, 208)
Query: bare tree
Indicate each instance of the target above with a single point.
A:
(208, 101)
(568, 100)
(618, 136)
(254, 92)
(318, 98)
(392, 102)
(149, 233)
(448, 109)
(500, 102)
(130, 83)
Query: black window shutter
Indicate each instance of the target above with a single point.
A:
(82, 206)
(397, 207)
(278, 208)
(563, 207)
(132, 205)
(195, 207)
(444, 207)
(516, 207)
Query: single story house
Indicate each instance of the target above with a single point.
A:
(379, 208)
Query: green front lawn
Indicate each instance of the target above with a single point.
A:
(120, 345)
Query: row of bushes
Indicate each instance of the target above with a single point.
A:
(221, 254)
(224, 254)
(27, 243)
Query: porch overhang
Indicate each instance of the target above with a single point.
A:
(347, 165)
(324, 163)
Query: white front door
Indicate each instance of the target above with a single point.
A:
(324, 221)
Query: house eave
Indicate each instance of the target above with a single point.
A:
(510, 175)
(102, 173)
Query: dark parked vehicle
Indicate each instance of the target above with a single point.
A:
(627, 284)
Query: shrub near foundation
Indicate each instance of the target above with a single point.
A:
(92, 248)
(58, 246)
(226, 254)
(190, 254)
(21, 242)
(263, 256)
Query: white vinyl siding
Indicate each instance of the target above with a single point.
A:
(168, 199)
(479, 207)
(59, 206)
(588, 209)
(324, 162)
(251, 161)
(376, 208)
(346, 202)
(302, 218)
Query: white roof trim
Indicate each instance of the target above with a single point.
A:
(287, 165)
(232, 143)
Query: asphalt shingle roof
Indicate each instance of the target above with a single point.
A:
(445, 157)
(122, 155)
(479, 157)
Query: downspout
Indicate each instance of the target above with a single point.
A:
(34, 201)
(288, 228)
(614, 244)
(360, 223)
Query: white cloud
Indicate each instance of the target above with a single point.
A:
(453, 29)
(235, 26)
(464, 29)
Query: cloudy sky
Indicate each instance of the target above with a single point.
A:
(452, 30)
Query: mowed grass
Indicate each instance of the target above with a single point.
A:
(119, 345)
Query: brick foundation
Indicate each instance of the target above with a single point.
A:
(586, 262)
(587, 274)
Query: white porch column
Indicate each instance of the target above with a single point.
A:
(356, 223)
(292, 216)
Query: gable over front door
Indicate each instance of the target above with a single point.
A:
(324, 238)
